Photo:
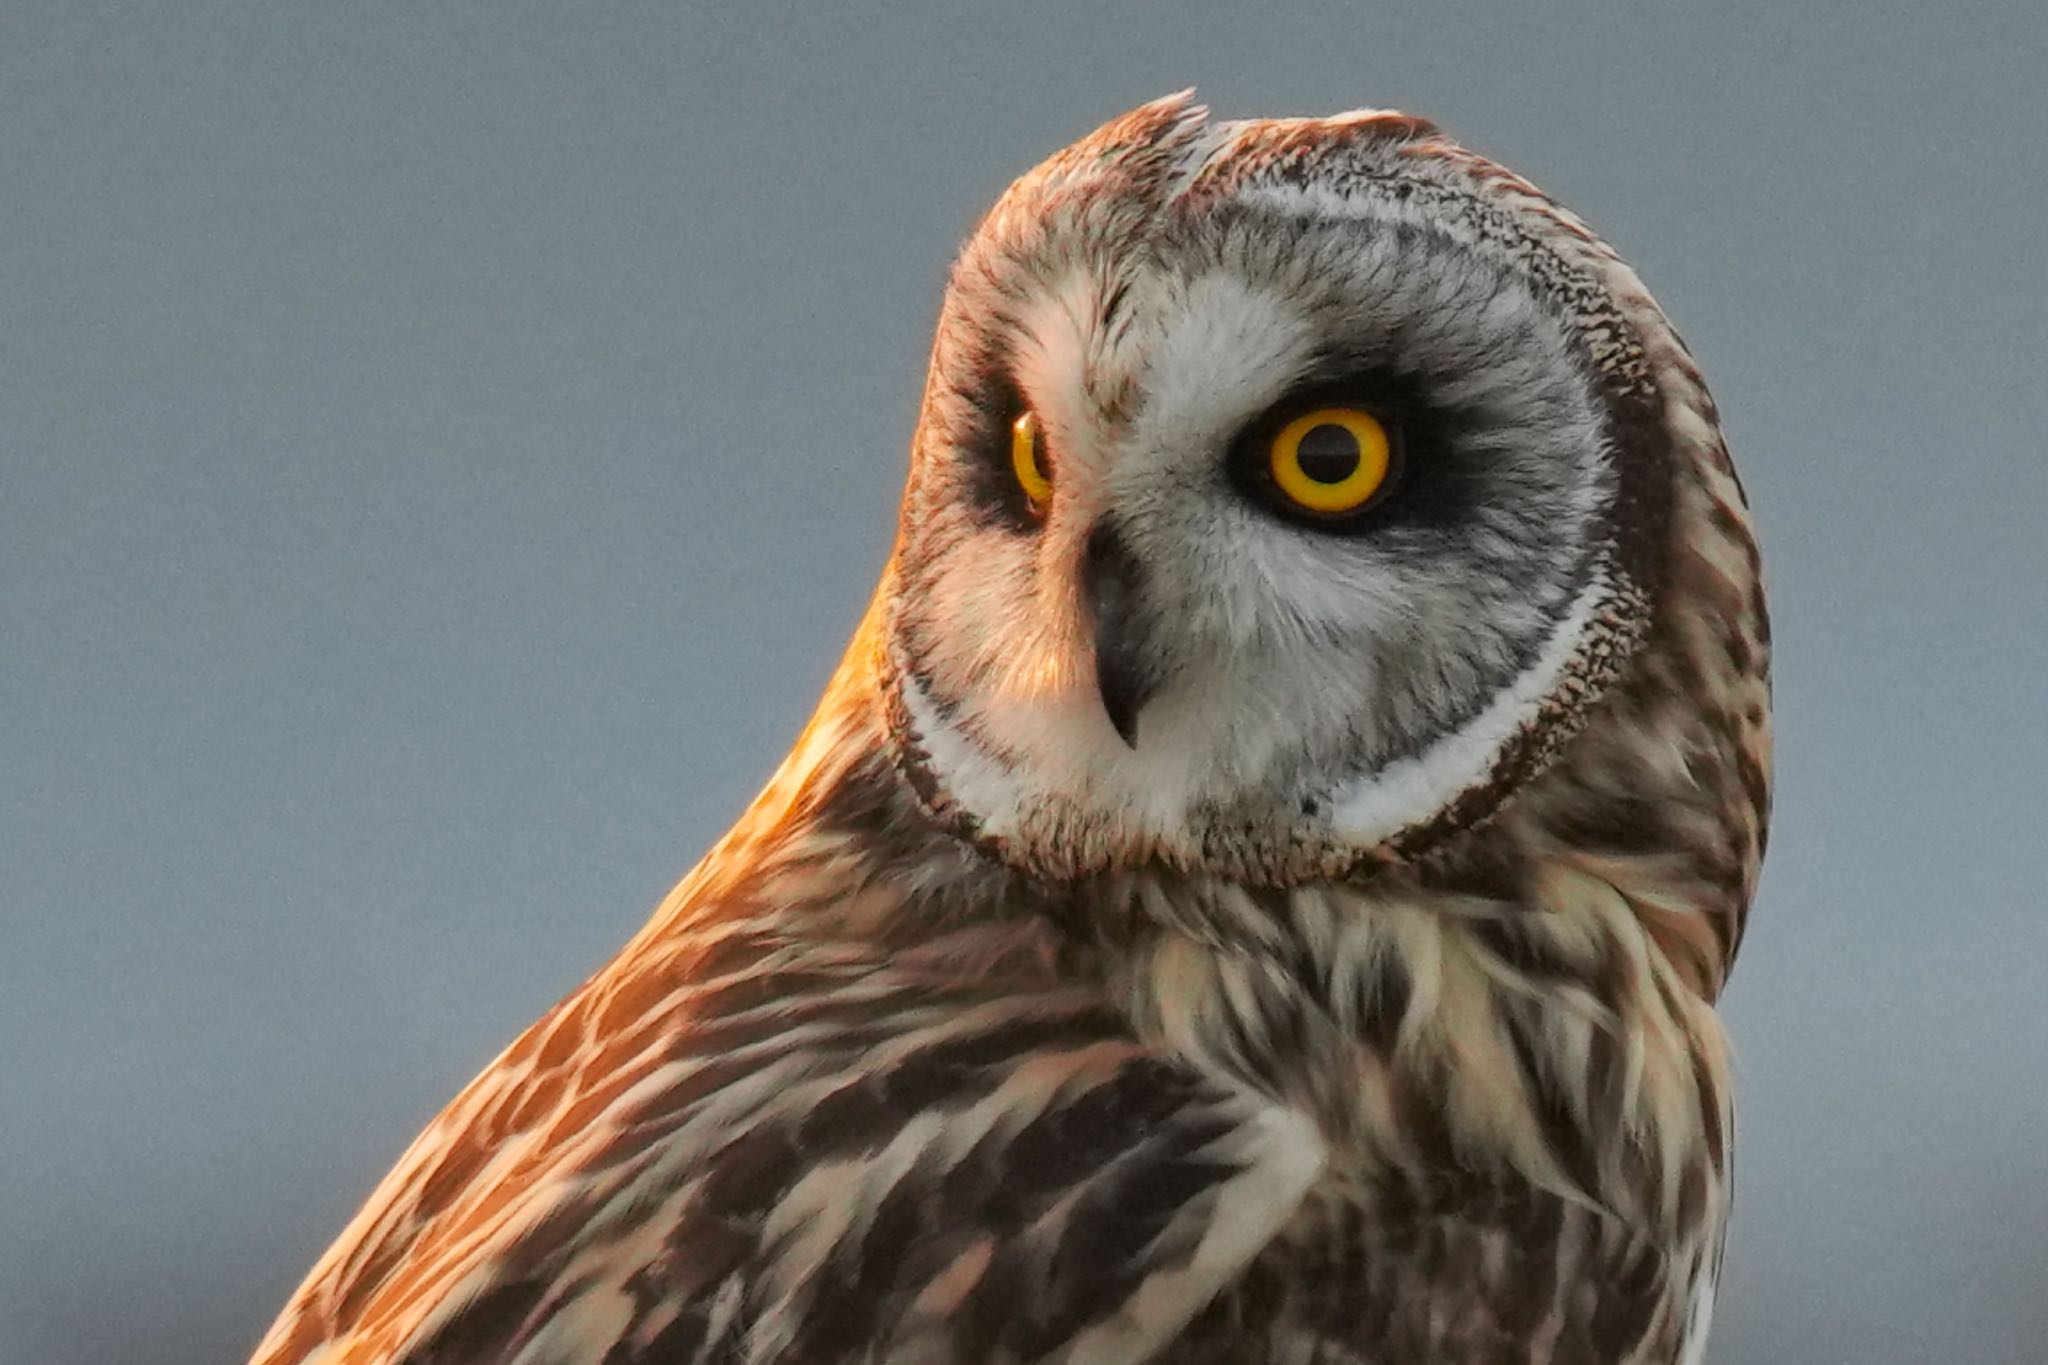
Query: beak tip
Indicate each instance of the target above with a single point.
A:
(1126, 674)
(1125, 723)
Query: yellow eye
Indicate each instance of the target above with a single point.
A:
(1027, 461)
(1331, 460)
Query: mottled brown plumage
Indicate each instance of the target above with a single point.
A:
(944, 1055)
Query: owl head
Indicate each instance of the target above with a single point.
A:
(1286, 494)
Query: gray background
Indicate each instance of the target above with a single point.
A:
(443, 448)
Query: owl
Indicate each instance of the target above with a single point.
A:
(1256, 889)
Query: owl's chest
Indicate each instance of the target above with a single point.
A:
(1430, 1058)
(1469, 1275)
(1517, 1170)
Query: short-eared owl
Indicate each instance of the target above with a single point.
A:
(1256, 889)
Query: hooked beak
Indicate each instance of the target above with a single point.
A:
(1127, 675)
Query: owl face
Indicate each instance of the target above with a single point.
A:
(1285, 493)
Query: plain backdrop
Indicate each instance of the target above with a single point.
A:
(443, 448)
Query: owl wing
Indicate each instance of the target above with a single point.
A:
(773, 1156)
(731, 1148)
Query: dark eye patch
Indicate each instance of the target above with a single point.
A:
(983, 461)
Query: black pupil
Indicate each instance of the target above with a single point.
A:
(1328, 453)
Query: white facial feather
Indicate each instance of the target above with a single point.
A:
(1376, 806)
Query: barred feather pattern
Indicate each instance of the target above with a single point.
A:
(858, 1094)
(861, 1092)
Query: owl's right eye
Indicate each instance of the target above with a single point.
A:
(1029, 463)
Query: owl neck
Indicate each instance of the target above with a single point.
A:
(1440, 1035)
(1532, 1003)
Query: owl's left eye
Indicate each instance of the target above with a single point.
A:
(1029, 463)
(1331, 461)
